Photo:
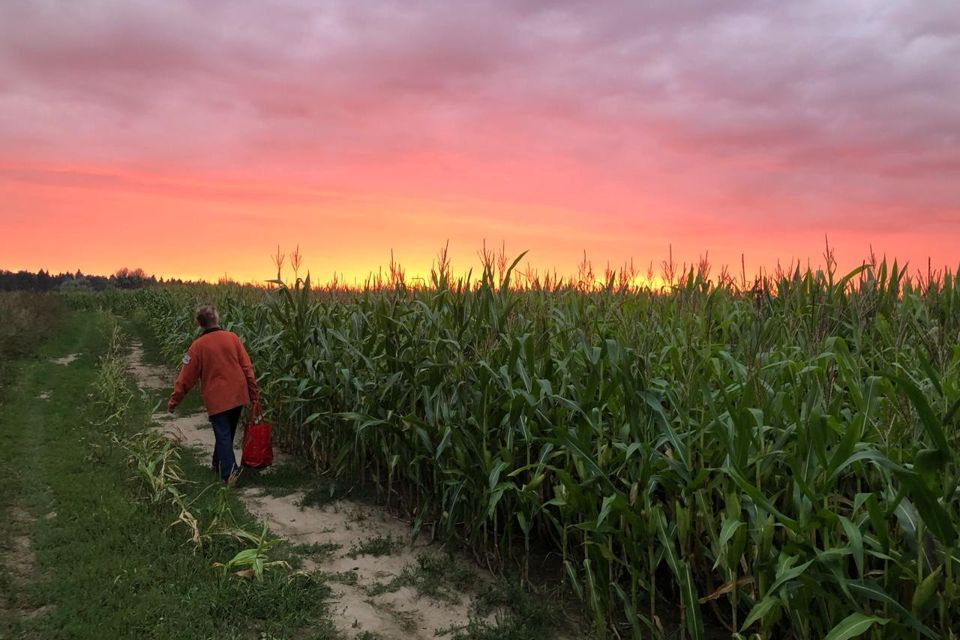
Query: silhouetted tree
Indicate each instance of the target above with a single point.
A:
(43, 280)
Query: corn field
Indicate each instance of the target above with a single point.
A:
(769, 462)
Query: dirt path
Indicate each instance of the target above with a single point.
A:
(20, 563)
(362, 607)
(148, 376)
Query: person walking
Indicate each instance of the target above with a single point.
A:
(218, 359)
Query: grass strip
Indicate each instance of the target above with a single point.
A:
(98, 562)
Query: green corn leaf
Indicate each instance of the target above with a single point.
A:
(854, 626)
(928, 419)
(934, 515)
(588, 462)
(574, 580)
(871, 591)
(855, 538)
(760, 610)
(691, 603)
(787, 572)
(605, 509)
(924, 594)
(636, 630)
(756, 496)
(728, 530)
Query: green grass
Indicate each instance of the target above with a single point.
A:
(318, 550)
(292, 477)
(376, 546)
(342, 577)
(442, 578)
(26, 320)
(516, 614)
(320, 494)
(107, 564)
(281, 479)
(297, 476)
(500, 609)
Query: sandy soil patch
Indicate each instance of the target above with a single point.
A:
(191, 430)
(400, 614)
(20, 562)
(148, 376)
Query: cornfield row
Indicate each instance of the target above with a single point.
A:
(779, 462)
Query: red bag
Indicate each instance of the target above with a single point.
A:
(257, 448)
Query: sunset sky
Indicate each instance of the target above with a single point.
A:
(191, 138)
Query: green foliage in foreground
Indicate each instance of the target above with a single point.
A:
(103, 564)
(26, 319)
(779, 462)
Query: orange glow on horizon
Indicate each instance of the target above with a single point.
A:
(207, 229)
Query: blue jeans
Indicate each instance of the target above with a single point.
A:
(224, 429)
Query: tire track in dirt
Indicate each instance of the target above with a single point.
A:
(20, 563)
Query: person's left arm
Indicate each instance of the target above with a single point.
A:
(188, 376)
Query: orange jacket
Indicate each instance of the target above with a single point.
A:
(217, 358)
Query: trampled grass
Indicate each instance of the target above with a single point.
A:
(778, 460)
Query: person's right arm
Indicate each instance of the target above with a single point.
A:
(188, 376)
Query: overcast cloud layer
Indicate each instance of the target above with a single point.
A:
(824, 114)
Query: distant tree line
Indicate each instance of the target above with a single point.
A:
(45, 281)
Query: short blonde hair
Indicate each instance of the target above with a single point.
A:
(207, 316)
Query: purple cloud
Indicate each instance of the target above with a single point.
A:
(781, 113)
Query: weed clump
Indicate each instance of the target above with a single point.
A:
(376, 546)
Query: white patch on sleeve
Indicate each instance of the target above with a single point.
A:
(186, 358)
